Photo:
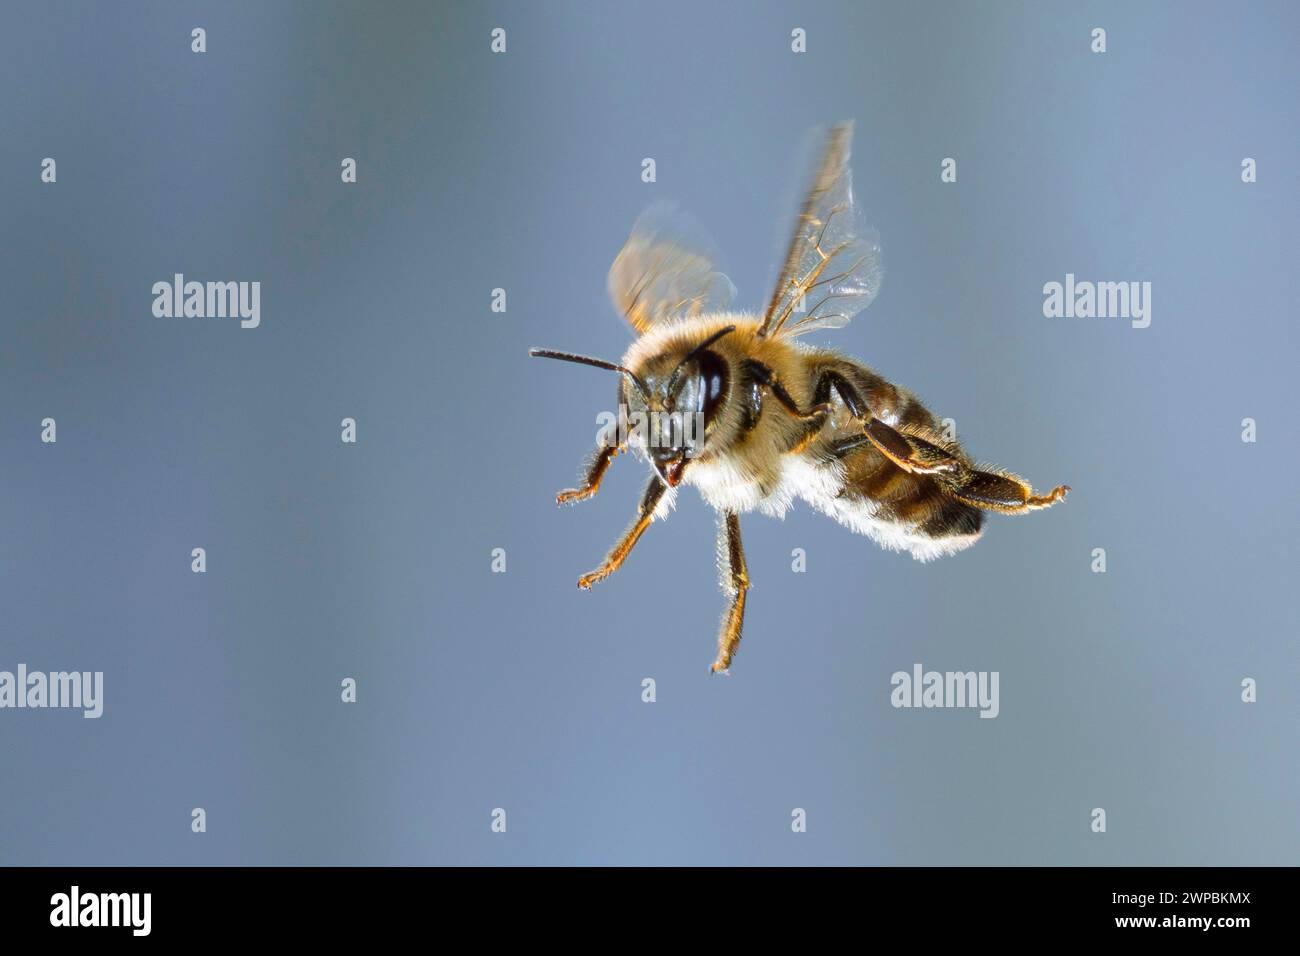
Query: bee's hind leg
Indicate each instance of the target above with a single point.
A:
(618, 554)
(735, 581)
(999, 491)
(987, 490)
(910, 452)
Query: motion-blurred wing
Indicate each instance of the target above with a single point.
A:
(662, 272)
(832, 270)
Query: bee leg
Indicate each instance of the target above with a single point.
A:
(999, 491)
(735, 581)
(645, 514)
(987, 490)
(909, 452)
(843, 447)
(596, 469)
(763, 376)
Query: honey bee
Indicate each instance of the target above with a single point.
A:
(782, 420)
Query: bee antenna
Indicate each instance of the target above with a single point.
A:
(596, 363)
(696, 351)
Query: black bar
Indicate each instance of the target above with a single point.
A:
(212, 905)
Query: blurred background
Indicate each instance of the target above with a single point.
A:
(522, 171)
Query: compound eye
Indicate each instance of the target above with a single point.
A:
(712, 384)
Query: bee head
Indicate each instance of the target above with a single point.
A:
(681, 406)
(672, 402)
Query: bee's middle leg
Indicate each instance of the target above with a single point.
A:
(618, 554)
(736, 583)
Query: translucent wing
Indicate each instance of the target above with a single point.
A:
(662, 272)
(832, 270)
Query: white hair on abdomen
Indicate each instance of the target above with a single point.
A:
(818, 484)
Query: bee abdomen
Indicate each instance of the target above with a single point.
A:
(900, 510)
(952, 518)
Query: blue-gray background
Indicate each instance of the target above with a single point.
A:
(479, 690)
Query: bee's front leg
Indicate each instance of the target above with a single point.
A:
(595, 472)
(735, 581)
(645, 514)
(764, 377)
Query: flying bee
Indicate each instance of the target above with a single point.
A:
(782, 420)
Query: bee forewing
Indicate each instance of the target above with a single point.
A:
(664, 271)
(832, 268)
